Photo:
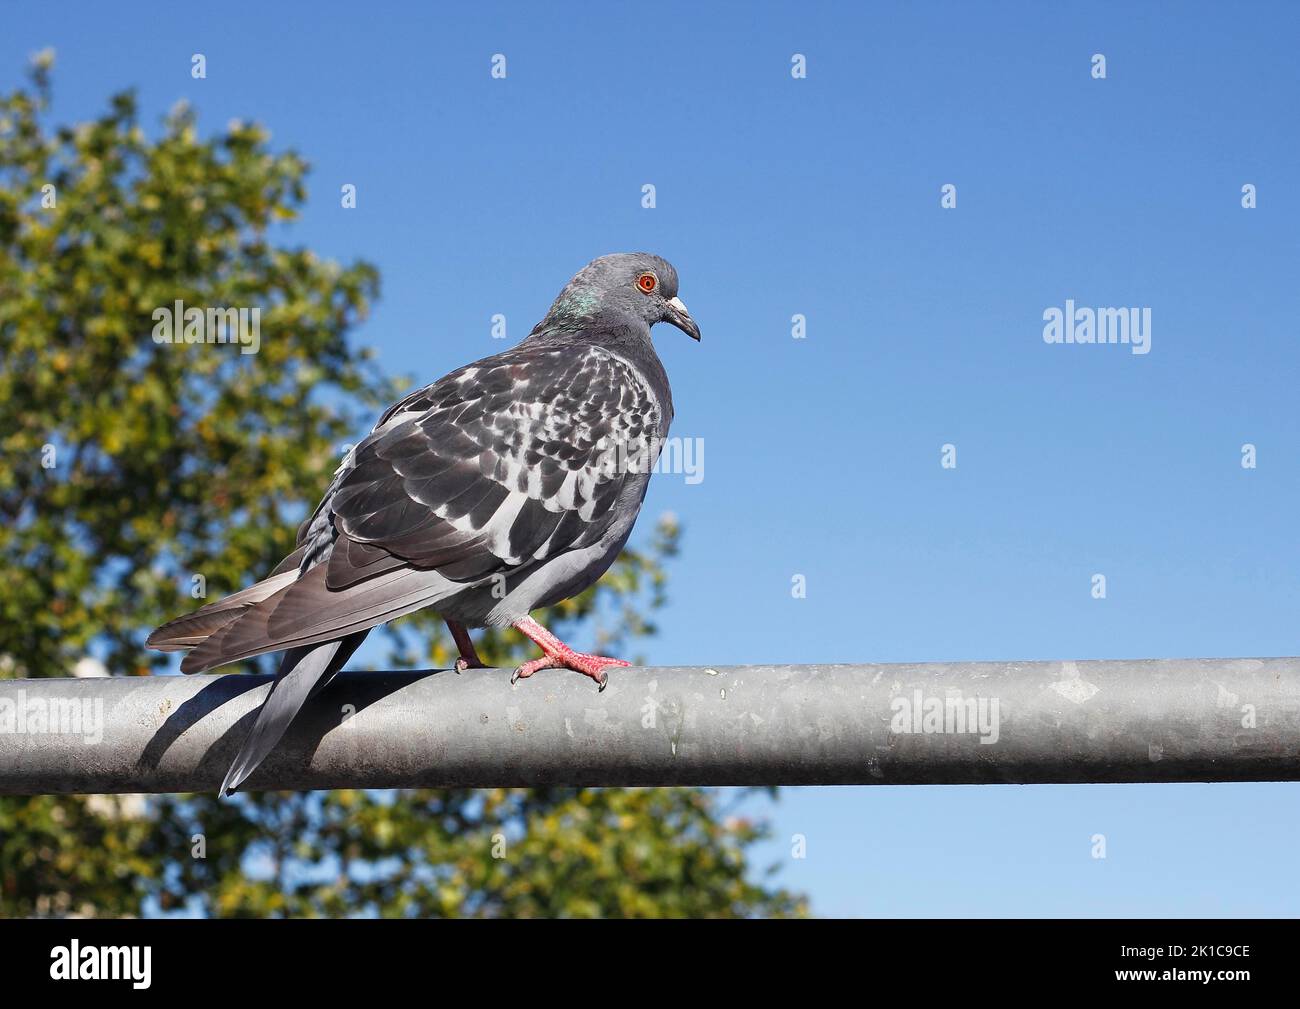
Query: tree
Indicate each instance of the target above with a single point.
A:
(137, 476)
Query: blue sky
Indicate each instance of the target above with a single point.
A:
(821, 197)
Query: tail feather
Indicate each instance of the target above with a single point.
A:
(220, 633)
(193, 629)
(302, 672)
(307, 612)
(215, 650)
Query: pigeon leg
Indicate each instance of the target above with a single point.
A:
(560, 654)
(465, 646)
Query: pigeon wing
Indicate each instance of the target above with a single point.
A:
(502, 463)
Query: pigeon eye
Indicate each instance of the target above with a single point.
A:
(647, 282)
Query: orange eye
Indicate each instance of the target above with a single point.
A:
(647, 282)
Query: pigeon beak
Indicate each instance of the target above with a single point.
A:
(681, 318)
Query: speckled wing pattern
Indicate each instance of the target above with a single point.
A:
(500, 465)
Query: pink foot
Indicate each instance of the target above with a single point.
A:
(560, 654)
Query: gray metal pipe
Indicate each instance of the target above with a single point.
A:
(937, 723)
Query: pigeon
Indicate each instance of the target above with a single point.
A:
(507, 486)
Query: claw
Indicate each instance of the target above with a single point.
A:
(557, 653)
(468, 658)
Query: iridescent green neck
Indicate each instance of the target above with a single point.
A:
(579, 303)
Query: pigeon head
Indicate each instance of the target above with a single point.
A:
(635, 284)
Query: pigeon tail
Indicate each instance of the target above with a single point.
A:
(303, 671)
(193, 629)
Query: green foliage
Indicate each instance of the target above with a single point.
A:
(159, 452)
(127, 467)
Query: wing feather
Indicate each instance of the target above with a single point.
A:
(507, 462)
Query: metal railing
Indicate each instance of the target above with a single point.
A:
(900, 724)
